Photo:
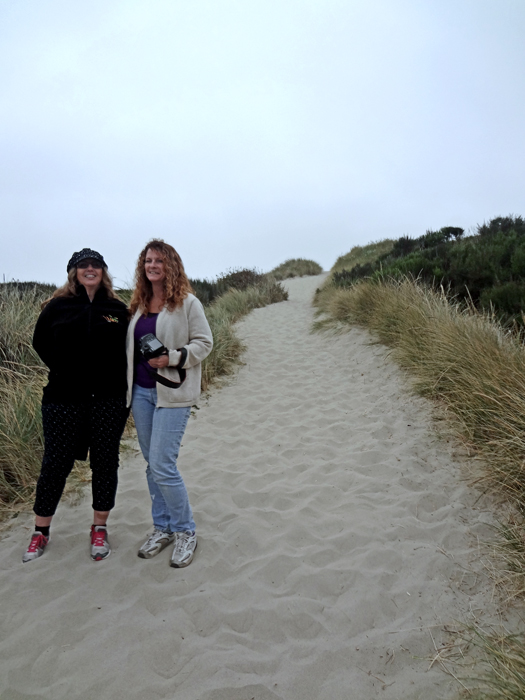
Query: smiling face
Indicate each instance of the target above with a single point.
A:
(89, 275)
(154, 266)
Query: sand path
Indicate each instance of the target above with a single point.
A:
(334, 530)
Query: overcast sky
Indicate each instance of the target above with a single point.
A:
(246, 132)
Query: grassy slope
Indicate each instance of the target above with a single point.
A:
(359, 255)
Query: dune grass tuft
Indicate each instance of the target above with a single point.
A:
(501, 669)
(506, 564)
(295, 267)
(21, 441)
(21, 379)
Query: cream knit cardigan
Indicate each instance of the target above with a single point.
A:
(185, 326)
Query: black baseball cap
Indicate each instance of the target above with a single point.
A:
(84, 254)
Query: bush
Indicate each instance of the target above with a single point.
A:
(508, 299)
(239, 279)
(205, 291)
(504, 225)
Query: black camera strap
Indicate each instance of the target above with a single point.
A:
(167, 382)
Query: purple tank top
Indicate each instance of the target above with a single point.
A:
(145, 324)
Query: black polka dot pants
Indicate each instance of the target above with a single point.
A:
(67, 427)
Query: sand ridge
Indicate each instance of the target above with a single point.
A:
(334, 534)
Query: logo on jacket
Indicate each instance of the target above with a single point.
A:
(110, 319)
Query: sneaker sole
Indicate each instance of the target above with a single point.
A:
(187, 563)
(100, 557)
(25, 561)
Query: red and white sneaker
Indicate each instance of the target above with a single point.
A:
(100, 548)
(36, 547)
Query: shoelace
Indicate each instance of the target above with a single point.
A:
(36, 541)
(97, 538)
(182, 541)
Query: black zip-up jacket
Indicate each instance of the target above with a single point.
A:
(84, 345)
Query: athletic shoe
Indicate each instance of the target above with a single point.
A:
(185, 546)
(155, 543)
(100, 548)
(36, 547)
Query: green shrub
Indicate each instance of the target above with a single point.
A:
(508, 299)
(239, 279)
(205, 291)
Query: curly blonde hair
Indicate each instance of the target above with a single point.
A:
(176, 284)
(72, 287)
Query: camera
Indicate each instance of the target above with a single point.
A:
(150, 347)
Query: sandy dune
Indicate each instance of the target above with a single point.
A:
(334, 534)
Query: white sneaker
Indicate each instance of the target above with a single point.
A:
(184, 550)
(155, 543)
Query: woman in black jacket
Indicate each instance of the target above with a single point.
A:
(81, 336)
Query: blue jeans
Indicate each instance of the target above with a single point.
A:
(160, 432)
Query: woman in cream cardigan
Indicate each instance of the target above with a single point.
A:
(162, 390)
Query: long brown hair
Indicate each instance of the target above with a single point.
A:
(176, 284)
(72, 287)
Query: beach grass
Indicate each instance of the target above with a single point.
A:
(21, 440)
(295, 267)
(19, 309)
(22, 377)
(358, 256)
(499, 672)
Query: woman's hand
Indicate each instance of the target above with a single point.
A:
(158, 362)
